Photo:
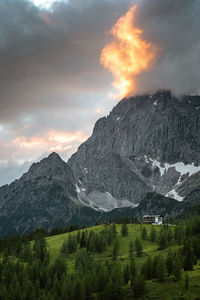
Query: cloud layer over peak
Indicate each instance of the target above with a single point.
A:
(53, 87)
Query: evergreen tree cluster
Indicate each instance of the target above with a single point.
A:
(160, 267)
(91, 240)
(165, 236)
(27, 273)
(124, 229)
(15, 245)
(185, 258)
(33, 276)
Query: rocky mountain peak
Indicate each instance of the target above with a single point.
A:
(45, 196)
(54, 156)
(52, 166)
(156, 139)
(147, 145)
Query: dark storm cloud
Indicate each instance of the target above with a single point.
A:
(43, 51)
(52, 85)
(46, 56)
(175, 27)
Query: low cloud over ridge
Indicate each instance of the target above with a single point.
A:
(50, 73)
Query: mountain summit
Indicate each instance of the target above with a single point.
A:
(147, 143)
(45, 196)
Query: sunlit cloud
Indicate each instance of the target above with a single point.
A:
(24, 142)
(128, 54)
(97, 111)
(66, 137)
(52, 141)
(61, 148)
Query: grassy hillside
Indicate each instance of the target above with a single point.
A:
(134, 231)
(169, 289)
(104, 263)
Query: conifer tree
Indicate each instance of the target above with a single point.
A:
(78, 236)
(59, 267)
(169, 262)
(110, 236)
(72, 244)
(4, 293)
(64, 248)
(138, 287)
(115, 249)
(99, 243)
(186, 282)
(131, 250)
(124, 229)
(91, 244)
(102, 278)
(83, 260)
(153, 234)
(161, 269)
(79, 290)
(162, 241)
(138, 247)
(169, 236)
(179, 234)
(5, 256)
(27, 252)
(147, 268)
(144, 233)
(133, 270)
(40, 248)
(177, 268)
(114, 230)
(114, 288)
(126, 274)
(189, 257)
(83, 242)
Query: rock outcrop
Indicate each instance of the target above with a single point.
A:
(147, 143)
(145, 149)
(45, 197)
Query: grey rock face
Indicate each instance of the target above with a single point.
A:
(45, 197)
(147, 144)
(190, 189)
(136, 148)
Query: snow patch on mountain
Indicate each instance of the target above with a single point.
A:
(180, 167)
(155, 103)
(78, 190)
(101, 201)
(183, 171)
(106, 202)
(173, 194)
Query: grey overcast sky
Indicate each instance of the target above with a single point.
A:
(52, 85)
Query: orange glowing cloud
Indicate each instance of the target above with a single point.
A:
(53, 141)
(65, 137)
(129, 54)
(24, 142)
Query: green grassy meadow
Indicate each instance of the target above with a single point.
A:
(150, 248)
(155, 290)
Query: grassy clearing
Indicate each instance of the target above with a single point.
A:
(167, 290)
(171, 290)
(150, 248)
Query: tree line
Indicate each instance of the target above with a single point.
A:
(29, 273)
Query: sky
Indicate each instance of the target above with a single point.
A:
(53, 86)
